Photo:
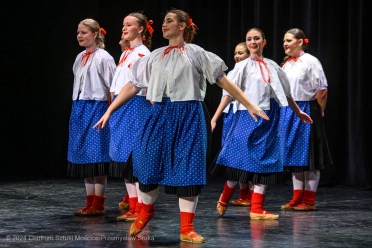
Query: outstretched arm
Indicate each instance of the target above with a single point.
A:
(126, 93)
(321, 97)
(226, 100)
(239, 95)
(300, 114)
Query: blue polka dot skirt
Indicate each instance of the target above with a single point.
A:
(253, 146)
(86, 146)
(124, 125)
(295, 136)
(304, 145)
(227, 122)
(171, 148)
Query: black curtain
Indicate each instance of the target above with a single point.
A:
(39, 47)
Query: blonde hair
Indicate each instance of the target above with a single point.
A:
(94, 27)
(243, 44)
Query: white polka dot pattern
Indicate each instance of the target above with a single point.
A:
(227, 122)
(253, 146)
(124, 126)
(87, 145)
(295, 136)
(172, 146)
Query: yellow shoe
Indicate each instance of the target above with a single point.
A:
(125, 216)
(192, 237)
(123, 205)
(134, 230)
(220, 209)
(264, 216)
(304, 207)
(78, 212)
(289, 205)
(133, 217)
(92, 212)
(241, 202)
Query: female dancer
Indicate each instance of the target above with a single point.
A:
(305, 146)
(172, 146)
(126, 121)
(241, 53)
(252, 150)
(88, 150)
(124, 204)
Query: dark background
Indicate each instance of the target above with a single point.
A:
(39, 47)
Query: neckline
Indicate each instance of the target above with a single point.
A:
(255, 59)
(135, 46)
(93, 51)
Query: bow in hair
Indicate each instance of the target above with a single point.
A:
(191, 23)
(149, 28)
(103, 31)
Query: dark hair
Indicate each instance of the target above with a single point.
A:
(298, 34)
(191, 28)
(258, 30)
(142, 21)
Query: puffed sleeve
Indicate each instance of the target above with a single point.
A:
(141, 71)
(212, 66)
(106, 70)
(317, 75)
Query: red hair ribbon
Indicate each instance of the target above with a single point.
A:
(168, 49)
(85, 57)
(103, 31)
(149, 28)
(267, 69)
(191, 23)
(306, 41)
(143, 38)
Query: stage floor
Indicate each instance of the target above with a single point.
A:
(39, 213)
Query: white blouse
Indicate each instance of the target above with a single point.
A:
(93, 80)
(225, 93)
(123, 73)
(306, 77)
(179, 73)
(250, 76)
